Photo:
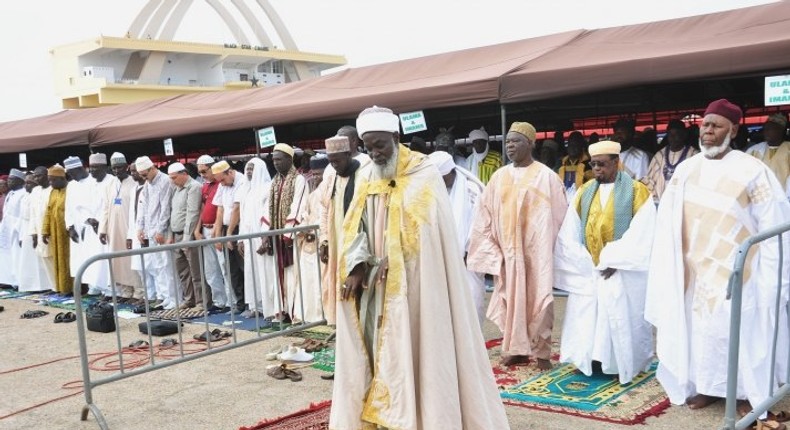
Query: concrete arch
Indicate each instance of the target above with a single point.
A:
(234, 27)
(279, 25)
(169, 30)
(257, 28)
(136, 29)
(155, 24)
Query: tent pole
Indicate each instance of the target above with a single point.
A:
(257, 143)
(503, 119)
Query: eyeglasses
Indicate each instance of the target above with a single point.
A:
(599, 163)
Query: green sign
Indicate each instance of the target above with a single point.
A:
(266, 137)
(777, 90)
(412, 122)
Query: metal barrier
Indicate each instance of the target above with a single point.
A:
(90, 384)
(735, 293)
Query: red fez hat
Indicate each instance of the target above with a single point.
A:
(726, 109)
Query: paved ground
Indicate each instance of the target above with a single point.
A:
(223, 391)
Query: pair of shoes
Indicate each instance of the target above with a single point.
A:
(65, 318)
(328, 376)
(214, 335)
(283, 372)
(313, 345)
(295, 354)
(33, 314)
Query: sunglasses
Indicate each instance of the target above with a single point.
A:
(599, 163)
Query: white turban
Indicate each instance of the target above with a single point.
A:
(143, 163)
(443, 161)
(377, 119)
(175, 168)
(205, 160)
(117, 158)
(478, 134)
(284, 148)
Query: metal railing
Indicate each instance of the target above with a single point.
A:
(735, 294)
(124, 371)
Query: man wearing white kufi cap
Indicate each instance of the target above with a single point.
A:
(80, 207)
(114, 225)
(287, 202)
(483, 162)
(153, 228)
(465, 191)
(775, 151)
(9, 228)
(213, 260)
(400, 316)
(601, 259)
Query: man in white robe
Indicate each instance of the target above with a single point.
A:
(775, 151)
(9, 228)
(39, 200)
(635, 161)
(411, 355)
(713, 203)
(97, 275)
(114, 225)
(133, 242)
(465, 191)
(80, 202)
(601, 259)
(253, 200)
(31, 275)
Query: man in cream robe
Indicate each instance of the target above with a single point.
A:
(340, 182)
(714, 201)
(411, 355)
(114, 224)
(39, 200)
(601, 259)
(513, 237)
(31, 274)
(775, 151)
(465, 191)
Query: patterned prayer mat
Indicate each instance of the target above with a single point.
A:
(173, 314)
(60, 301)
(11, 294)
(315, 417)
(565, 390)
(324, 360)
(319, 332)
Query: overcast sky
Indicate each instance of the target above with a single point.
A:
(365, 31)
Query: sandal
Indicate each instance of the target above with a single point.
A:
(68, 317)
(293, 375)
(782, 416)
(769, 424)
(59, 317)
(33, 314)
(138, 344)
(168, 342)
(276, 372)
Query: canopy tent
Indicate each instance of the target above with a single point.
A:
(719, 44)
(749, 40)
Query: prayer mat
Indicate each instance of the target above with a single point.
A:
(173, 314)
(61, 301)
(224, 320)
(324, 360)
(315, 417)
(567, 391)
(12, 294)
(319, 332)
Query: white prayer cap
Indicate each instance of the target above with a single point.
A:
(143, 163)
(99, 158)
(72, 163)
(117, 158)
(284, 147)
(337, 144)
(206, 160)
(478, 134)
(604, 147)
(175, 168)
(17, 174)
(443, 161)
(377, 119)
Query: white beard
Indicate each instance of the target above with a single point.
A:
(386, 171)
(714, 151)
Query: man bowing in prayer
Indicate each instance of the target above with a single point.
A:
(513, 237)
(601, 260)
(713, 202)
(465, 191)
(412, 356)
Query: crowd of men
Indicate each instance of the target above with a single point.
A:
(405, 242)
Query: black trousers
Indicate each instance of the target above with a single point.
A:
(236, 267)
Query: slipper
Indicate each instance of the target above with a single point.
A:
(293, 375)
(33, 314)
(769, 425)
(276, 372)
(138, 344)
(295, 354)
(2, 309)
(316, 346)
(59, 318)
(169, 342)
(69, 317)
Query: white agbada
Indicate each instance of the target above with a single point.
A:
(39, 200)
(9, 236)
(253, 200)
(309, 270)
(635, 162)
(31, 275)
(604, 318)
(708, 209)
(98, 274)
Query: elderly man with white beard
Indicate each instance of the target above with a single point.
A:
(712, 203)
(412, 355)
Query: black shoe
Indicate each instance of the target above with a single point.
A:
(328, 376)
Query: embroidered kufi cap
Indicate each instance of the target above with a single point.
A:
(604, 147)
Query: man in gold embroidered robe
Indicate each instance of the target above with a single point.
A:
(54, 232)
(513, 238)
(410, 353)
(601, 259)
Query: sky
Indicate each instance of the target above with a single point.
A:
(365, 31)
